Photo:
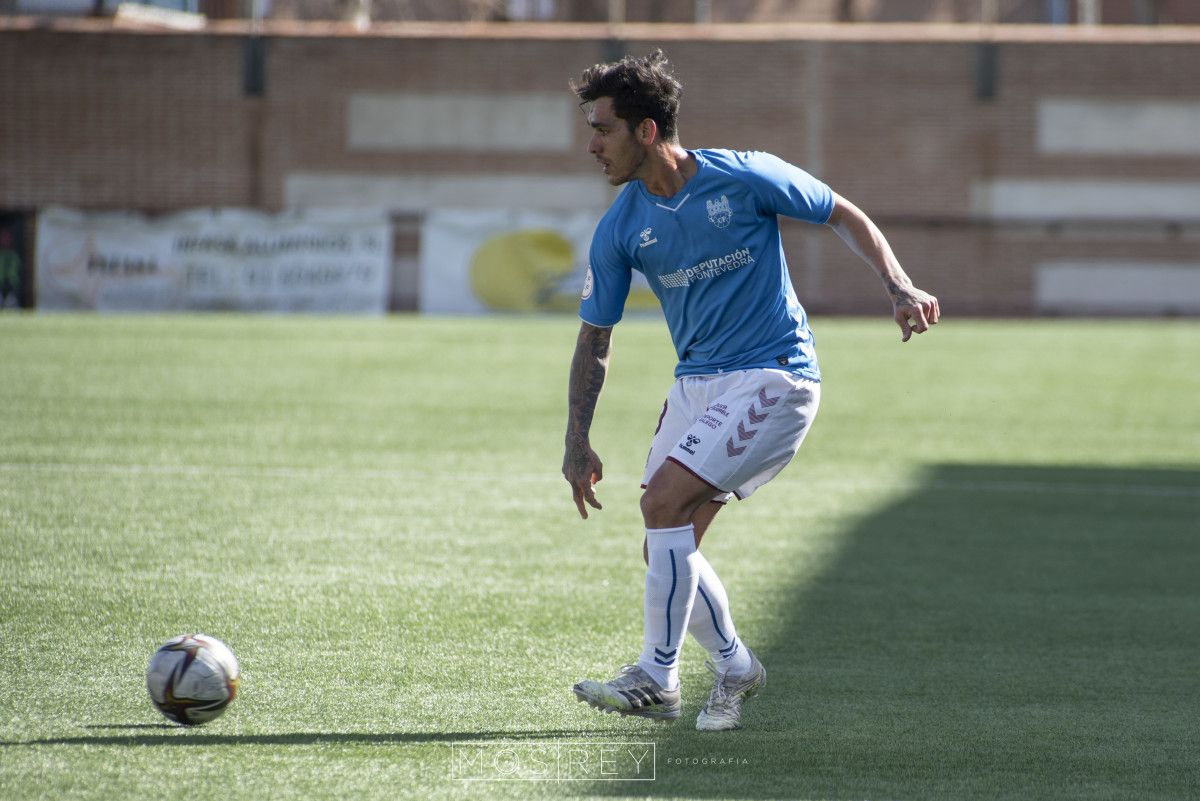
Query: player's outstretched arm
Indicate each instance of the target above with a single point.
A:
(581, 466)
(914, 310)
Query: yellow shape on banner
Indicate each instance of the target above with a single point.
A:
(531, 270)
(522, 271)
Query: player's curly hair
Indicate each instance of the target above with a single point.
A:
(640, 88)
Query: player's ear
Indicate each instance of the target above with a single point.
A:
(647, 131)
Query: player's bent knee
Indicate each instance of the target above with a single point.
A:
(672, 497)
(652, 507)
(665, 510)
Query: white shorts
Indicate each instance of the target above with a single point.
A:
(735, 431)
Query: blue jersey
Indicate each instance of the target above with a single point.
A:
(713, 256)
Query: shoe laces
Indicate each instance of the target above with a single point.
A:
(630, 676)
(720, 694)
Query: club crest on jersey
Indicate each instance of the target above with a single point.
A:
(648, 238)
(719, 213)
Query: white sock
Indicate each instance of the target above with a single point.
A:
(712, 625)
(670, 591)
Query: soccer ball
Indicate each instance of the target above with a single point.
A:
(192, 678)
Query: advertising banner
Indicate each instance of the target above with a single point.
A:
(209, 260)
(475, 261)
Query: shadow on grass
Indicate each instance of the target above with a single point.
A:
(193, 737)
(1000, 632)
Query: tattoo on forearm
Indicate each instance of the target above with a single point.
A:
(588, 370)
(897, 290)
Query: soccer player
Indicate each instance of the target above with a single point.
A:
(702, 226)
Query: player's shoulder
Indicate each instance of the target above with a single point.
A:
(777, 186)
(736, 160)
(756, 170)
(740, 162)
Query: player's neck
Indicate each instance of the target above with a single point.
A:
(669, 168)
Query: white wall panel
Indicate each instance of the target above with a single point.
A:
(462, 122)
(1051, 199)
(1086, 127)
(1117, 287)
(418, 193)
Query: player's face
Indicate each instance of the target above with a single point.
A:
(615, 147)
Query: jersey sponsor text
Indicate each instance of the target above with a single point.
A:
(710, 268)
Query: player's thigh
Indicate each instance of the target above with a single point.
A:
(673, 495)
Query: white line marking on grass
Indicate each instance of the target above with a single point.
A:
(325, 473)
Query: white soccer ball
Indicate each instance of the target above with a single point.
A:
(192, 678)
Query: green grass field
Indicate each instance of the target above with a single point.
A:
(980, 579)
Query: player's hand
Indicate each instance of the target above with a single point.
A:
(915, 311)
(582, 469)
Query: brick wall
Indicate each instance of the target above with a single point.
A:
(1116, 12)
(891, 116)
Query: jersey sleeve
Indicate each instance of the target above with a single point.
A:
(783, 188)
(606, 286)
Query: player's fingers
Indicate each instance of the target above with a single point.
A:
(589, 495)
(905, 329)
(917, 320)
(577, 492)
(933, 311)
(598, 473)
